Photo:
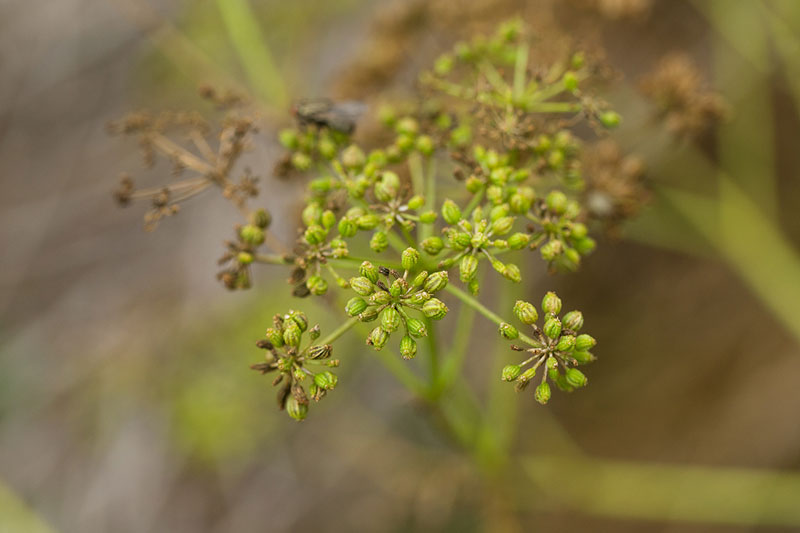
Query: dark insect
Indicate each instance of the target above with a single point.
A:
(324, 113)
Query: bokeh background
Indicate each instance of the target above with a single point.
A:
(126, 402)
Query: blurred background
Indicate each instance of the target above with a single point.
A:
(126, 402)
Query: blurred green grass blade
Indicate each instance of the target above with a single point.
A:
(742, 72)
(750, 243)
(253, 50)
(16, 516)
(739, 496)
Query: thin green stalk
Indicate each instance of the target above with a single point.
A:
(341, 330)
(417, 173)
(426, 230)
(479, 307)
(251, 46)
(458, 353)
(520, 68)
(272, 259)
(433, 356)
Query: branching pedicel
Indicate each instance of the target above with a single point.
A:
(502, 128)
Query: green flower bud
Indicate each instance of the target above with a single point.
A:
(317, 285)
(295, 409)
(419, 298)
(380, 298)
(420, 278)
(301, 161)
(404, 142)
(566, 343)
(519, 203)
(436, 282)
(407, 125)
(378, 338)
(473, 184)
(368, 222)
(425, 145)
(557, 202)
(582, 357)
(379, 241)
(315, 234)
(585, 342)
(428, 217)
(512, 273)
(390, 319)
(528, 375)
(328, 219)
(326, 380)
(451, 212)
(369, 271)
(551, 249)
(409, 258)
(502, 225)
(275, 337)
(434, 308)
(551, 303)
(292, 334)
(610, 119)
(408, 347)
(459, 240)
(416, 328)
(244, 258)
(511, 372)
(584, 245)
(252, 235)
(353, 157)
(288, 138)
(299, 318)
(347, 228)
(576, 378)
(362, 286)
(525, 312)
(432, 245)
(355, 306)
(474, 286)
(467, 268)
(327, 148)
(416, 202)
(552, 327)
(518, 241)
(369, 315)
(573, 320)
(542, 394)
(320, 352)
(570, 81)
(578, 230)
(508, 331)
(398, 287)
(260, 218)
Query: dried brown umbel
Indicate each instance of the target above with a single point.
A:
(681, 96)
(615, 187)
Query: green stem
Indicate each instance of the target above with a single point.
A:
(417, 173)
(341, 330)
(520, 67)
(251, 46)
(479, 307)
(476, 199)
(272, 259)
(426, 230)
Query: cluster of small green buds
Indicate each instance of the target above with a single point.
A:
(558, 347)
(309, 145)
(387, 296)
(297, 366)
(472, 240)
(561, 239)
(241, 253)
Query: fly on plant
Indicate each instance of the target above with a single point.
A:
(325, 113)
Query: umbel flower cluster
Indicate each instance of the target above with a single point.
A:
(483, 170)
